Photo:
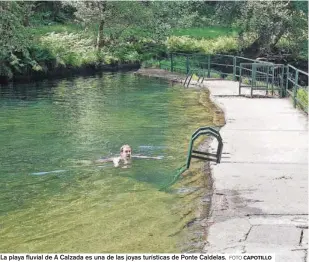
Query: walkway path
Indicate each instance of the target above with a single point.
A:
(260, 189)
(260, 198)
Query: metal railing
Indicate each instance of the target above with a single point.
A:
(208, 131)
(211, 66)
(268, 77)
(286, 79)
(297, 87)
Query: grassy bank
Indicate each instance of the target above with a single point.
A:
(206, 32)
(70, 46)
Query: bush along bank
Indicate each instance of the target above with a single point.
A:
(61, 54)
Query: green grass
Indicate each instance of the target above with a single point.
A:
(207, 32)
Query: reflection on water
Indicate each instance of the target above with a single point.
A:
(53, 198)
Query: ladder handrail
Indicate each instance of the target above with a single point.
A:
(205, 155)
(205, 131)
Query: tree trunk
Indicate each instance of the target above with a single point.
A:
(27, 11)
(26, 21)
(278, 37)
(254, 49)
(100, 40)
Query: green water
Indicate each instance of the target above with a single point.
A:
(59, 127)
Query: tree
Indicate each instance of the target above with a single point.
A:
(229, 12)
(266, 21)
(27, 11)
(167, 15)
(116, 16)
(300, 6)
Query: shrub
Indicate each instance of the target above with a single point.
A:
(151, 63)
(230, 77)
(183, 44)
(302, 97)
(74, 49)
(69, 48)
(297, 48)
(223, 44)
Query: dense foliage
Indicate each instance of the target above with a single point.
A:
(268, 24)
(14, 40)
(42, 35)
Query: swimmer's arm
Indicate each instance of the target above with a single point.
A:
(104, 160)
(147, 157)
(115, 160)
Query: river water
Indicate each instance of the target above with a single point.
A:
(54, 199)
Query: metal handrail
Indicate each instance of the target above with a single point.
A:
(300, 71)
(206, 130)
(232, 68)
(206, 156)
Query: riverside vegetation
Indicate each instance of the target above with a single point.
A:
(40, 37)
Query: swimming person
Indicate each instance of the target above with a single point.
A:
(125, 157)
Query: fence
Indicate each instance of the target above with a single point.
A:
(284, 80)
(213, 66)
(297, 87)
(267, 76)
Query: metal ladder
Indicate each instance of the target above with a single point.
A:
(210, 131)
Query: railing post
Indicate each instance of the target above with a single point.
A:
(234, 68)
(219, 151)
(253, 80)
(187, 64)
(295, 89)
(272, 79)
(189, 154)
(282, 82)
(267, 79)
(240, 71)
(208, 66)
(287, 78)
(172, 63)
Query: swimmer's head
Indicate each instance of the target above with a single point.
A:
(125, 152)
